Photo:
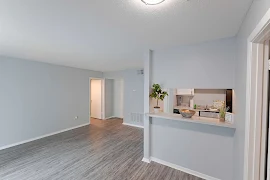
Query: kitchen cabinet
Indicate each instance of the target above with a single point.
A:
(187, 92)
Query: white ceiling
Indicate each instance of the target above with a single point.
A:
(107, 35)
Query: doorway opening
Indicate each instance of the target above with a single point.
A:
(113, 94)
(106, 98)
(96, 98)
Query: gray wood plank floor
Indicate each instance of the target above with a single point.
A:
(105, 150)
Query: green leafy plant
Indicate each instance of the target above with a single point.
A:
(157, 93)
(222, 111)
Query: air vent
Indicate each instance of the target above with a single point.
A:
(136, 117)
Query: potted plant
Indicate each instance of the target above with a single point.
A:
(157, 94)
(222, 113)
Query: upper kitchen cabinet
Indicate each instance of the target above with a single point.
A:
(187, 92)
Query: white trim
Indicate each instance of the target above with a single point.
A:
(115, 117)
(103, 107)
(254, 108)
(186, 170)
(109, 117)
(254, 36)
(133, 125)
(40, 137)
(146, 160)
(263, 149)
(102, 97)
(89, 102)
(258, 112)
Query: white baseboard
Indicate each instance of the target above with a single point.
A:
(106, 118)
(119, 117)
(113, 117)
(40, 137)
(134, 125)
(186, 170)
(146, 160)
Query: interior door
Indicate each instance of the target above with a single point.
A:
(96, 95)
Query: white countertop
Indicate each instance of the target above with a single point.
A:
(194, 119)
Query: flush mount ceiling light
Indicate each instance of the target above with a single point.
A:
(152, 2)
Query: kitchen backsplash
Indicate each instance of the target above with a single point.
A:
(202, 97)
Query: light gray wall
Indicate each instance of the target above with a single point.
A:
(202, 148)
(202, 66)
(205, 149)
(256, 12)
(133, 92)
(109, 98)
(38, 98)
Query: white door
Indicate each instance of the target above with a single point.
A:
(96, 95)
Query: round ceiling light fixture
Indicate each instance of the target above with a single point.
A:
(152, 2)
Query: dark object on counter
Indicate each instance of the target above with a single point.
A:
(176, 111)
(229, 95)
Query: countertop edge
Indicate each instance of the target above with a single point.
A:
(194, 119)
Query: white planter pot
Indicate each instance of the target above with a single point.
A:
(157, 110)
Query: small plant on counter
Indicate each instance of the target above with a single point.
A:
(222, 113)
(158, 94)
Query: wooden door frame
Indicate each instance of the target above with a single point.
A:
(102, 97)
(256, 105)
